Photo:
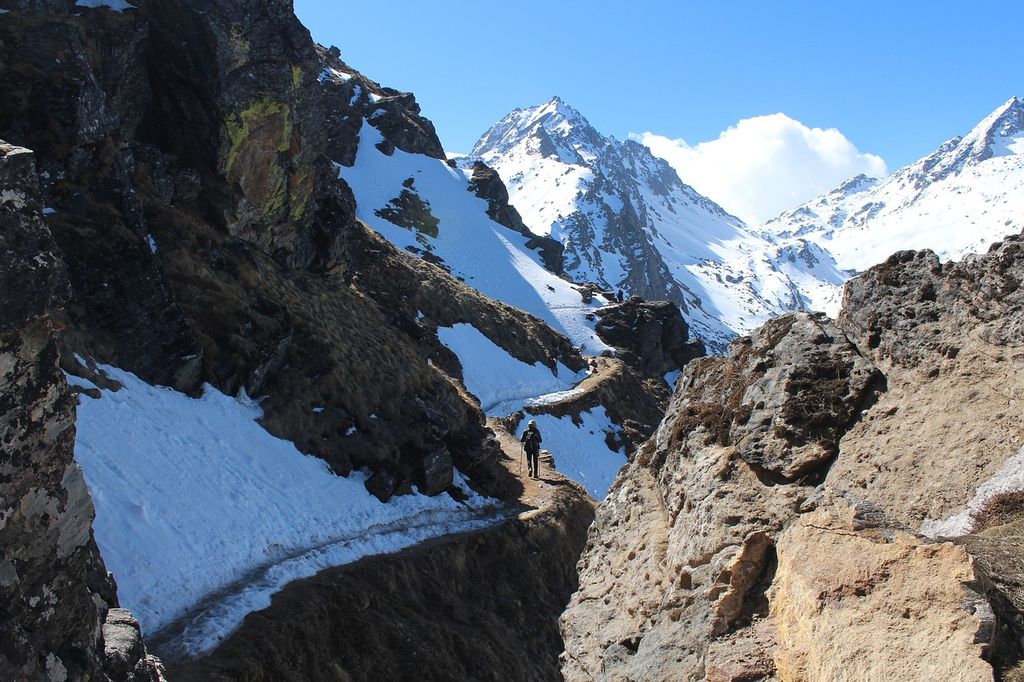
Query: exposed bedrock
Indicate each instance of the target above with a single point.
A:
(788, 520)
(651, 335)
(55, 594)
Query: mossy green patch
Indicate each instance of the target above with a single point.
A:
(260, 114)
(300, 188)
(277, 194)
(296, 77)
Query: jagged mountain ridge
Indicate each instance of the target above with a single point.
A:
(957, 200)
(628, 222)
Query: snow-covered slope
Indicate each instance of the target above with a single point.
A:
(964, 196)
(197, 505)
(628, 222)
(427, 207)
(423, 205)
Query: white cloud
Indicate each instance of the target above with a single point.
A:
(765, 165)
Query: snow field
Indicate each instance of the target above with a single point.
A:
(500, 382)
(193, 495)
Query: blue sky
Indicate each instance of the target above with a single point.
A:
(897, 78)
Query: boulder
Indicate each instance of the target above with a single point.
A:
(486, 184)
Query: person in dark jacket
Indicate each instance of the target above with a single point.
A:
(531, 443)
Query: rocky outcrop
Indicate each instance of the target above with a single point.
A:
(54, 589)
(354, 98)
(845, 587)
(786, 521)
(486, 184)
(652, 335)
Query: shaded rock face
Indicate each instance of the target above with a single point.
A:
(786, 520)
(354, 98)
(54, 589)
(653, 334)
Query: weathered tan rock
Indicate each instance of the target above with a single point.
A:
(746, 562)
(869, 604)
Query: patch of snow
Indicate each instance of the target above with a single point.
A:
(1009, 478)
(672, 377)
(330, 73)
(47, 210)
(318, 409)
(500, 382)
(116, 5)
(151, 242)
(356, 94)
(551, 398)
(581, 451)
(193, 495)
(351, 430)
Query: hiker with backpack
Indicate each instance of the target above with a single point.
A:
(531, 440)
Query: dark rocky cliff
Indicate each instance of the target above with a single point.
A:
(195, 232)
(55, 594)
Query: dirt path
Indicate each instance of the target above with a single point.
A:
(537, 494)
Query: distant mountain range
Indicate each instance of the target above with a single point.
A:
(957, 200)
(628, 222)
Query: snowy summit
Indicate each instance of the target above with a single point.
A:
(957, 200)
(628, 222)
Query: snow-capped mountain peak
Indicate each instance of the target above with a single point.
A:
(628, 222)
(966, 194)
(555, 129)
(1001, 133)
